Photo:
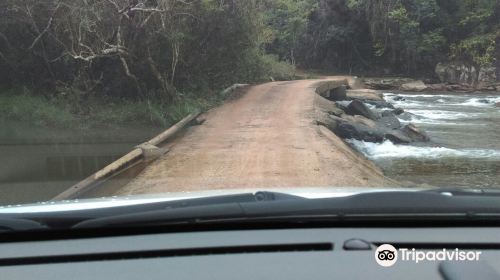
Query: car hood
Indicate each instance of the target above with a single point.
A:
(96, 203)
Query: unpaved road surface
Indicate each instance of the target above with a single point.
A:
(267, 138)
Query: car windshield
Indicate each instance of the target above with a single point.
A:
(118, 100)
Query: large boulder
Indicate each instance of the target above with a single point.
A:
(389, 120)
(360, 120)
(363, 129)
(497, 104)
(415, 134)
(414, 86)
(349, 130)
(357, 107)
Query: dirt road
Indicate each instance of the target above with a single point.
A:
(267, 138)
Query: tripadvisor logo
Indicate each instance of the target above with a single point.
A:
(387, 255)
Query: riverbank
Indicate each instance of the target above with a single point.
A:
(416, 85)
(62, 112)
(52, 144)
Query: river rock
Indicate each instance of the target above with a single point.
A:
(414, 86)
(349, 130)
(437, 87)
(415, 134)
(337, 94)
(497, 104)
(406, 116)
(379, 104)
(398, 111)
(336, 111)
(357, 107)
(331, 122)
(397, 137)
(360, 120)
(387, 113)
(342, 106)
(389, 120)
(399, 98)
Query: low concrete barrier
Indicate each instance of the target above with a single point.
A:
(146, 151)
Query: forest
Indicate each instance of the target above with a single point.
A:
(152, 61)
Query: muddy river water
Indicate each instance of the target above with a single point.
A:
(38, 163)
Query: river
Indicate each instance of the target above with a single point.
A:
(464, 150)
(39, 163)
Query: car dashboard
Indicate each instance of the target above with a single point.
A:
(291, 253)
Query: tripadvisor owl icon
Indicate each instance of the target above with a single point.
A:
(386, 255)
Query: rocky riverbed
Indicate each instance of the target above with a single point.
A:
(365, 115)
(433, 138)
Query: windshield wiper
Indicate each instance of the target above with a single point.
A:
(7, 224)
(364, 206)
(67, 219)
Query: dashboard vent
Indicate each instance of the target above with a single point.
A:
(273, 248)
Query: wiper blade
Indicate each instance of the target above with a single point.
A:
(376, 205)
(7, 224)
(67, 219)
(184, 215)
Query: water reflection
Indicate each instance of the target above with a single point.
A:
(39, 163)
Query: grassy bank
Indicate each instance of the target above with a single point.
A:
(98, 112)
(69, 110)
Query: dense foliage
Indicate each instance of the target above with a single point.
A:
(128, 47)
(165, 49)
(388, 36)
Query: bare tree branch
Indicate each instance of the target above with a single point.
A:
(49, 24)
